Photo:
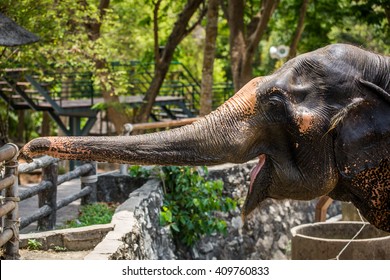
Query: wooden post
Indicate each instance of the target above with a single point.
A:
(90, 179)
(11, 221)
(127, 129)
(49, 197)
(322, 206)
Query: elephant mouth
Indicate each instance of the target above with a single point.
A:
(256, 170)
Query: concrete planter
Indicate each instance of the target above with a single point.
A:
(321, 241)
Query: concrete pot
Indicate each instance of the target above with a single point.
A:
(322, 241)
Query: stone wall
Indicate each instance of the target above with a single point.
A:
(265, 235)
(115, 187)
(137, 234)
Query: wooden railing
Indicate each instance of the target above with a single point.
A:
(9, 236)
(128, 128)
(46, 190)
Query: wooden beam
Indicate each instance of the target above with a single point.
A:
(321, 208)
(165, 124)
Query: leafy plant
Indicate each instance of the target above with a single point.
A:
(139, 171)
(92, 214)
(34, 244)
(190, 204)
(59, 249)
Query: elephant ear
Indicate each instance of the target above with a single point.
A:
(376, 89)
(362, 152)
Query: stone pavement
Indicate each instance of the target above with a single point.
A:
(69, 212)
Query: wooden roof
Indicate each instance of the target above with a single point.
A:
(11, 34)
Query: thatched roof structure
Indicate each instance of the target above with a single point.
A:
(11, 34)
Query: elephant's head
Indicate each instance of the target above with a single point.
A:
(315, 125)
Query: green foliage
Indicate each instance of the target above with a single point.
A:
(190, 204)
(92, 214)
(33, 244)
(190, 201)
(139, 171)
(127, 31)
(361, 22)
(59, 249)
(126, 35)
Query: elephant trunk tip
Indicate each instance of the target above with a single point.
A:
(34, 147)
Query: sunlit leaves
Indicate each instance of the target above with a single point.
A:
(191, 202)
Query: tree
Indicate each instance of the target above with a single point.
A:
(4, 129)
(373, 12)
(208, 58)
(244, 39)
(115, 112)
(87, 35)
(163, 58)
(298, 32)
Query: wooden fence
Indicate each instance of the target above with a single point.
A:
(9, 201)
(46, 191)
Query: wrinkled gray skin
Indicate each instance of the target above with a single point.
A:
(320, 125)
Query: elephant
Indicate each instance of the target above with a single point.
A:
(319, 125)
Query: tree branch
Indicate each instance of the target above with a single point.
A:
(179, 30)
(157, 55)
(201, 16)
(298, 32)
(225, 10)
(103, 6)
(268, 7)
(93, 25)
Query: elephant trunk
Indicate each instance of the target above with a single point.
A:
(214, 139)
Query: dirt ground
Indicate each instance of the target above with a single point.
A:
(52, 255)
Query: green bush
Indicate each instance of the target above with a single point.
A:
(190, 203)
(139, 171)
(33, 244)
(92, 214)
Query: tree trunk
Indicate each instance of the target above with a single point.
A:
(3, 130)
(387, 12)
(243, 45)
(236, 39)
(45, 124)
(179, 31)
(298, 32)
(115, 110)
(115, 113)
(267, 9)
(21, 127)
(206, 94)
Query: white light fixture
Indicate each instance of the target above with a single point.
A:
(279, 52)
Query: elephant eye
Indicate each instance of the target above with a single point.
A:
(275, 100)
(276, 106)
